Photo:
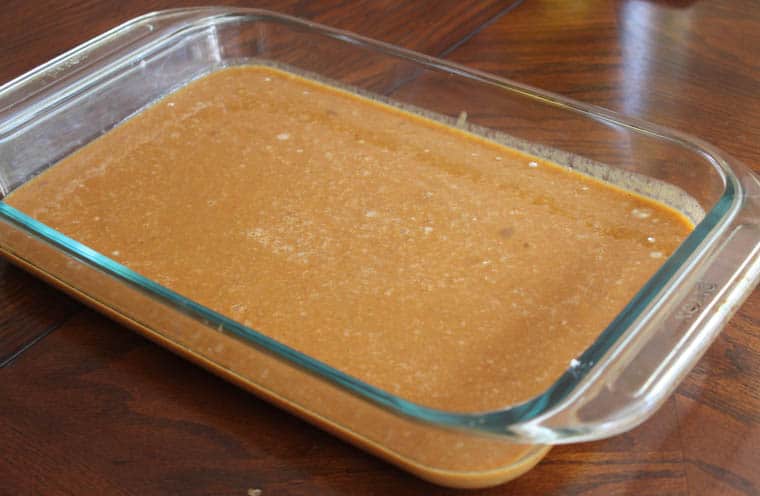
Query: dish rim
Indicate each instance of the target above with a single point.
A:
(503, 421)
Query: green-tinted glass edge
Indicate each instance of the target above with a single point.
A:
(497, 421)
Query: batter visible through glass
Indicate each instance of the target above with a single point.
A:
(442, 267)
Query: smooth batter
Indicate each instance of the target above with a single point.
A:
(439, 266)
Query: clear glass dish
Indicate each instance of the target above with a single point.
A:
(613, 386)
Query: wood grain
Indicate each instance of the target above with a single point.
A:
(33, 32)
(694, 67)
(92, 408)
(29, 310)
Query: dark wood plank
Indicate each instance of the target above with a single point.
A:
(33, 32)
(29, 310)
(693, 66)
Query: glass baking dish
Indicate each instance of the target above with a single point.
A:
(619, 381)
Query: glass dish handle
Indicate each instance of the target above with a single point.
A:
(647, 366)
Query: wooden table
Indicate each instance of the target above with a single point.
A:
(88, 407)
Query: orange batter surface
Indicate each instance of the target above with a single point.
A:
(439, 266)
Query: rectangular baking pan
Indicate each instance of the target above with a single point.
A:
(619, 381)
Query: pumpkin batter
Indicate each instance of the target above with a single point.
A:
(435, 264)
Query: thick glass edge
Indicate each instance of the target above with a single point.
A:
(495, 422)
